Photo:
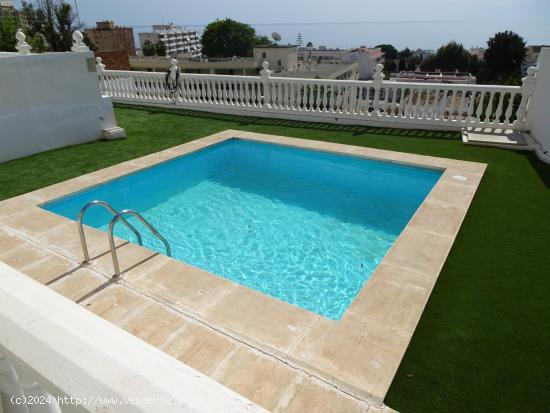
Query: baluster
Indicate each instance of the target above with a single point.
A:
(147, 87)
(478, 108)
(292, 96)
(489, 109)
(124, 86)
(443, 103)
(161, 91)
(242, 92)
(143, 88)
(376, 101)
(326, 98)
(418, 103)
(461, 107)
(202, 94)
(426, 106)
(221, 91)
(339, 99)
(498, 112)
(353, 99)
(407, 102)
(345, 99)
(395, 105)
(139, 89)
(452, 105)
(196, 90)
(509, 109)
(233, 92)
(471, 99)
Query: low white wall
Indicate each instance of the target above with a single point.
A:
(539, 107)
(48, 101)
(70, 351)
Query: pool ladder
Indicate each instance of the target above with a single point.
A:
(116, 217)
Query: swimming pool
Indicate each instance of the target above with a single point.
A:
(303, 226)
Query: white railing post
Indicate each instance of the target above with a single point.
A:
(22, 46)
(78, 44)
(377, 80)
(265, 73)
(537, 121)
(100, 67)
(527, 90)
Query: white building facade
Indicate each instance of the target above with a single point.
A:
(366, 58)
(176, 38)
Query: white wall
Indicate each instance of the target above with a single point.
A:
(287, 55)
(48, 101)
(538, 113)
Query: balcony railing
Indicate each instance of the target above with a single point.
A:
(377, 102)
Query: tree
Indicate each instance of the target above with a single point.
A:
(448, 58)
(405, 58)
(390, 52)
(160, 48)
(148, 48)
(65, 24)
(8, 28)
(53, 20)
(503, 58)
(263, 41)
(228, 38)
(89, 42)
(300, 40)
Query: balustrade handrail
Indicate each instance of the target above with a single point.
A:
(409, 104)
(386, 83)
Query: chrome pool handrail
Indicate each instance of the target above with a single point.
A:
(109, 208)
(135, 214)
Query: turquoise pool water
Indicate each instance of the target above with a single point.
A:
(303, 226)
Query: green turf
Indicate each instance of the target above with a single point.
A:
(483, 343)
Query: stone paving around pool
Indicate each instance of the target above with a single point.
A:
(282, 357)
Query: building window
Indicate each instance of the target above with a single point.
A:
(264, 55)
(279, 63)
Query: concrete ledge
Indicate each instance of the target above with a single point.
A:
(76, 353)
(114, 133)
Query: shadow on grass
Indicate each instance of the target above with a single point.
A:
(542, 169)
(355, 130)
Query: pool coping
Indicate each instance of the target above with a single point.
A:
(359, 353)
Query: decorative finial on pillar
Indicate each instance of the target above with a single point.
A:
(265, 72)
(100, 67)
(378, 76)
(78, 44)
(378, 72)
(22, 46)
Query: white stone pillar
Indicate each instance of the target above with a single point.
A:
(100, 67)
(265, 73)
(377, 79)
(537, 117)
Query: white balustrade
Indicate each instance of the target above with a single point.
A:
(397, 104)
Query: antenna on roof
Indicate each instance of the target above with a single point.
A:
(276, 36)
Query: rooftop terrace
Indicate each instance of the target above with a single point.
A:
(481, 343)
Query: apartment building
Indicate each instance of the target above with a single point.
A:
(107, 37)
(366, 58)
(456, 78)
(176, 38)
(283, 62)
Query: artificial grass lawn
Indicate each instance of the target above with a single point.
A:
(483, 343)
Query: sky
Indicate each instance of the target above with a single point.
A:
(138, 12)
(529, 16)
